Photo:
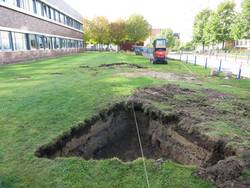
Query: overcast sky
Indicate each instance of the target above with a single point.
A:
(176, 14)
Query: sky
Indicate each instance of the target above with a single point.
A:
(176, 14)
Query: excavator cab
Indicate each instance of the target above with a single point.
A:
(159, 51)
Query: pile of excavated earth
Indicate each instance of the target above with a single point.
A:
(173, 124)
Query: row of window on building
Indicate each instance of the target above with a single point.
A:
(41, 9)
(14, 41)
(243, 43)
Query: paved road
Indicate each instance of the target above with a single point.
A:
(232, 64)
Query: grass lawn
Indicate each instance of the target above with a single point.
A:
(43, 99)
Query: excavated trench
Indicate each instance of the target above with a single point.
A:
(112, 133)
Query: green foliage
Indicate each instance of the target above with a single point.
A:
(220, 25)
(226, 16)
(118, 31)
(189, 46)
(246, 9)
(100, 30)
(137, 28)
(96, 31)
(87, 37)
(238, 28)
(200, 22)
(246, 17)
(168, 34)
(211, 30)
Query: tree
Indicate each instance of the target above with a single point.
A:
(87, 24)
(238, 28)
(211, 29)
(118, 32)
(200, 22)
(168, 34)
(246, 18)
(226, 16)
(137, 28)
(100, 32)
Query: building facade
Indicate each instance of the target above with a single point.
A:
(33, 29)
(243, 44)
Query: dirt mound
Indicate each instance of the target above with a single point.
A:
(225, 173)
(122, 64)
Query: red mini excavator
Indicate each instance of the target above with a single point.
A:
(159, 51)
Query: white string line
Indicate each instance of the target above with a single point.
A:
(190, 71)
(142, 153)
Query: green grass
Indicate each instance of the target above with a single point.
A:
(37, 104)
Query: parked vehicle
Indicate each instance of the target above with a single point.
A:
(138, 50)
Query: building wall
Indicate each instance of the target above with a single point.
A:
(20, 56)
(62, 5)
(244, 44)
(17, 20)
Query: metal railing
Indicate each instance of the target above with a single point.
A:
(238, 64)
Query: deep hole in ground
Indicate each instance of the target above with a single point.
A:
(169, 120)
(112, 133)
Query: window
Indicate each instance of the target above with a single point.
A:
(63, 43)
(5, 41)
(50, 43)
(19, 40)
(34, 6)
(46, 42)
(57, 17)
(45, 10)
(12, 2)
(68, 44)
(32, 42)
(20, 3)
(40, 41)
(52, 14)
(81, 44)
(39, 8)
(61, 18)
(56, 43)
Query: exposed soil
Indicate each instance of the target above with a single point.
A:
(113, 134)
(56, 73)
(170, 133)
(122, 64)
(159, 75)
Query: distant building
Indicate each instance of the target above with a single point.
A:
(33, 29)
(177, 35)
(243, 44)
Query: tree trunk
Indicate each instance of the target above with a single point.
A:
(223, 45)
(203, 47)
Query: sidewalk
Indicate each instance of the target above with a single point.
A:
(213, 61)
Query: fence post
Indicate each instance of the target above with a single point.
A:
(220, 65)
(187, 59)
(195, 59)
(180, 55)
(239, 75)
(206, 63)
(248, 59)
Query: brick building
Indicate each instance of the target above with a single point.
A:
(33, 29)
